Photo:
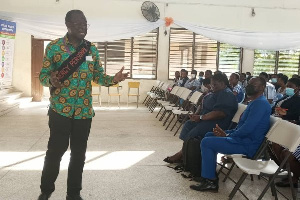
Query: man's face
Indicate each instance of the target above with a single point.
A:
(183, 74)
(177, 74)
(207, 75)
(217, 86)
(233, 80)
(77, 26)
(254, 87)
(242, 77)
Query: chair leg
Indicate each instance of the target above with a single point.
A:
(167, 118)
(229, 171)
(273, 190)
(178, 129)
(294, 195)
(127, 100)
(159, 112)
(238, 185)
(163, 115)
(137, 102)
(170, 121)
(119, 101)
(174, 125)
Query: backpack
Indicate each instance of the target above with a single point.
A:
(192, 158)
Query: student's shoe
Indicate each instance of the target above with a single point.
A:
(44, 196)
(206, 185)
(285, 184)
(75, 197)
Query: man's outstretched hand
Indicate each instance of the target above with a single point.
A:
(120, 76)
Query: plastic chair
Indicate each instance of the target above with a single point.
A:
(98, 93)
(137, 86)
(283, 133)
(116, 94)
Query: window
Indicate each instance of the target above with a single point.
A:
(286, 62)
(229, 58)
(264, 61)
(138, 55)
(145, 56)
(180, 54)
(205, 54)
(189, 51)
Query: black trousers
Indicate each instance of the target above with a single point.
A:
(63, 130)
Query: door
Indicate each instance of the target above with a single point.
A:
(37, 53)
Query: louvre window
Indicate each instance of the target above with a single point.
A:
(138, 55)
(189, 51)
(144, 56)
(229, 58)
(286, 62)
(264, 61)
(205, 56)
(180, 54)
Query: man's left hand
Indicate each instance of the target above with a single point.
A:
(195, 118)
(120, 76)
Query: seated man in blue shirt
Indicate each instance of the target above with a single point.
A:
(244, 139)
(236, 88)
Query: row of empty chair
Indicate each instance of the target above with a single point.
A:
(114, 91)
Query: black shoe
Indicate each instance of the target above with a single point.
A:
(75, 197)
(44, 196)
(206, 185)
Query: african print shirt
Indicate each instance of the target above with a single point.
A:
(74, 98)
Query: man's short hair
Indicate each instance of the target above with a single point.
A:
(284, 78)
(264, 74)
(295, 81)
(194, 71)
(237, 76)
(209, 71)
(262, 81)
(70, 14)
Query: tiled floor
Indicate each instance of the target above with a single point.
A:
(124, 158)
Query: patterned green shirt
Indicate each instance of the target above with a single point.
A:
(74, 98)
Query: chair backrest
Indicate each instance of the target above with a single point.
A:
(185, 94)
(273, 123)
(241, 109)
(174, 90)
(195, 97)
(180, 91)
(285, 134)
(165, 86)
(133, 84)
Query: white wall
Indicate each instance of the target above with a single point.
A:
(271, 15)
(22, 63)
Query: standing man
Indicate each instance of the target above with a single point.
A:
(70, 64)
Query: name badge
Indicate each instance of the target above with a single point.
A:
(89, 58)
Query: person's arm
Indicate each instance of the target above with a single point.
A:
(48, 66)
(255, 115)
(99, 76)
(292, 110)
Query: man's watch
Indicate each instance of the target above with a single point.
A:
(200, 117)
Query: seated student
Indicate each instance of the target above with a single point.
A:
(236, 88)
(192, 84)
(201, 77)
(288, 108)
(243, 81)
(183, 78)
(244, 139)
(282, 81)
(218, 107)
(270, 91)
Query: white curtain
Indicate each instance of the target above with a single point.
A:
(249, 40)
(52, 27)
